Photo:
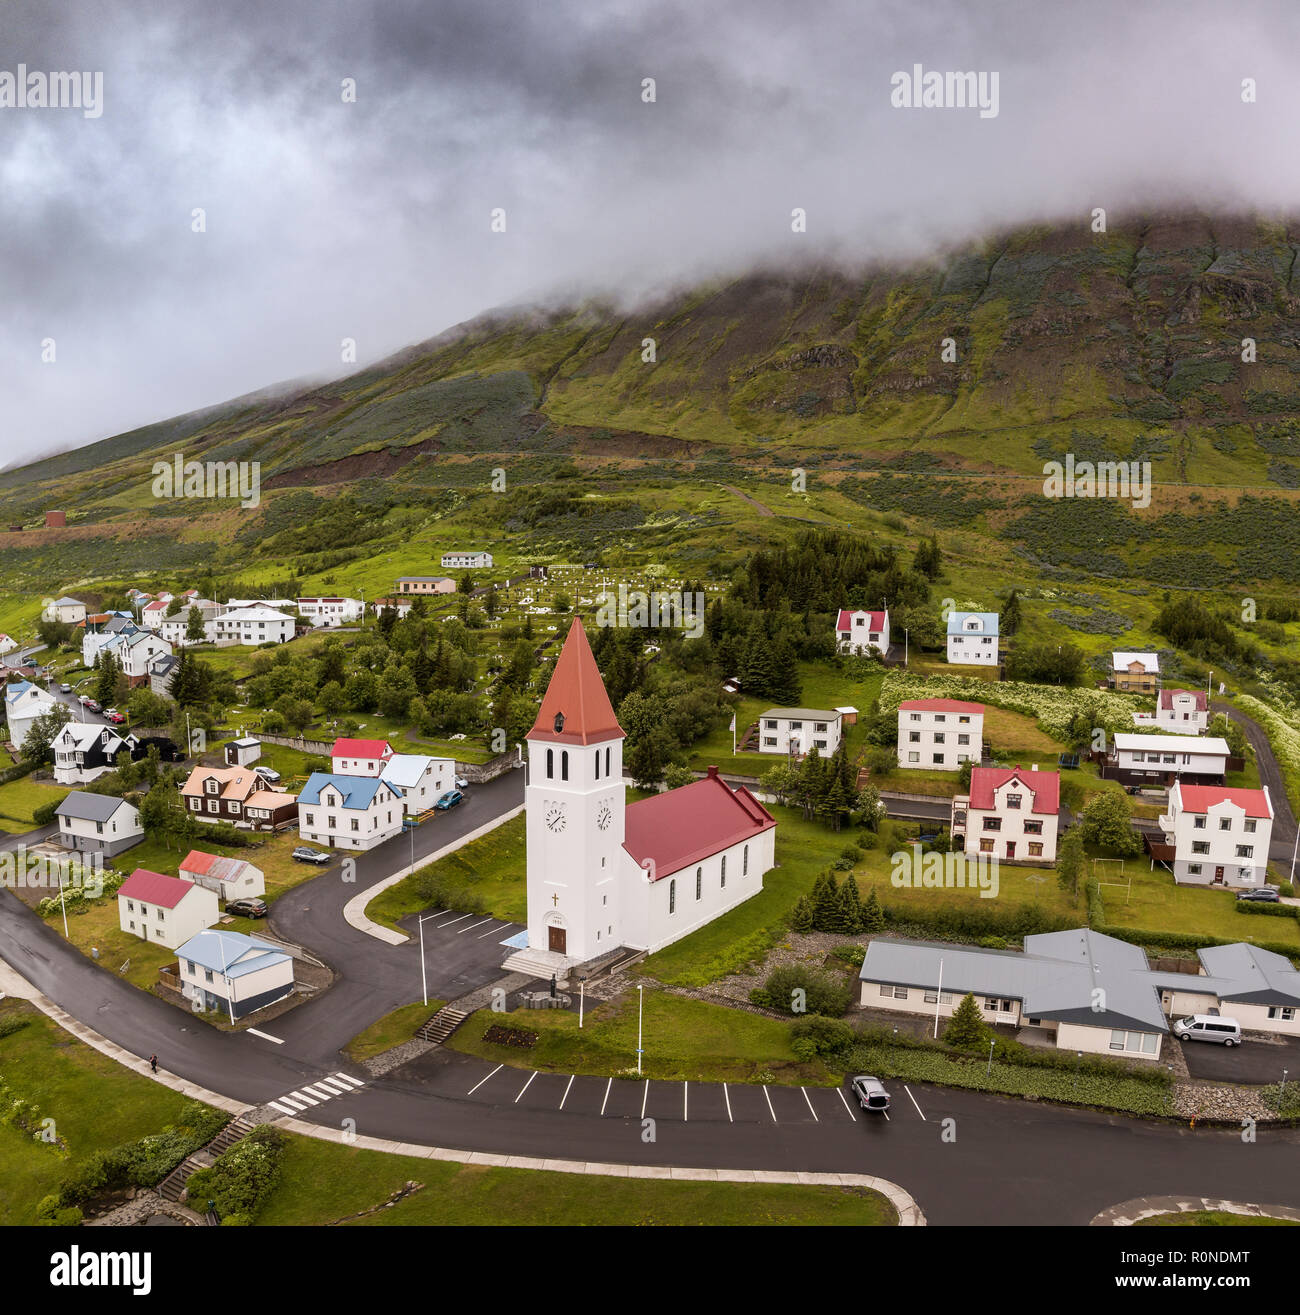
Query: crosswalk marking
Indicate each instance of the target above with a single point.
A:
(325, 1093)
(333, 1084)
(316, 1093)
(286, 1106)
(349, 1080)
(302, 1095)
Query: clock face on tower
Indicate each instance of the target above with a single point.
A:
(604, 817)
(555, 818)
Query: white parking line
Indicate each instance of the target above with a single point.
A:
(525, 1087)
(645, 1096)
(478, 1084)
(912, 1098)
(349, 1079)
(493, 931)
(605, 1102)
(462, 918)
(770, 1110)
(566, 1090)
(472, 925)
(808, 1100)
(266, 1036)
(298, 1095)
(727, 1097)
(847, 1109)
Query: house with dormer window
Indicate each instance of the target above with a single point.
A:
(862, 632)
(349, 812)
(237, 795)
(973, 639)
(1010, 814)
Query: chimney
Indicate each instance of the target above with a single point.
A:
(713, 772)
(1033, 767)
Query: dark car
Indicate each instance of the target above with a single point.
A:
(305, 854)
(871, 1093)
(1265, 894)
(247, 908)
(449, 800)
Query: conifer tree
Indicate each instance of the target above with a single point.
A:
(966, 1029)
(803, 915)
(825, 902)
(873, 916)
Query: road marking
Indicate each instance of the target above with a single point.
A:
(566, 1090)
(472, 925)
(266, 1036)
(333, 1085)
(477, 1085)
(298, 1095)
(645, 1096)
(768, 1098)
(605, 1102)
(686, 1118)
(912, 1098)
(727, 1097)
(285, 1107)
(349, 1079)
(462, 918)
(492, 931)
(526, 1085)
(847, 1110)
(325, 1093)
(808, 1099)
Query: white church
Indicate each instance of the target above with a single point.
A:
(604, 874)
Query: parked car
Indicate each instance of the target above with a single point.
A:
(65, 688)
(461, 783)
(113, 716)
(247, 908)
(1209, 1027)
(449, 800)
(871, 1094)
(306, 854)
(267, 774)
(1266, 894)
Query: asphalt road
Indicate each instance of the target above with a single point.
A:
(1270, 774)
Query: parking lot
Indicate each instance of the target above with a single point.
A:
(1253, 1063)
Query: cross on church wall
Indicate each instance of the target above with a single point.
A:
(555, 899)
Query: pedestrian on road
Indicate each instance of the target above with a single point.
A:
(153, 1062)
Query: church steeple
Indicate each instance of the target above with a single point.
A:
(576, 708)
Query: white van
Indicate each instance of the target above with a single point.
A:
(1208, 1027)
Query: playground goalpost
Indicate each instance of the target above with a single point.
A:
(1125, 882)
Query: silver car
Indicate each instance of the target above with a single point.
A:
(871, 1093)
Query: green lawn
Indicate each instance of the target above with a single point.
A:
(95, 1104)
(392, 1029)
(683, 1039)
(323, 1182)
(19, 798)
(1213, 1219)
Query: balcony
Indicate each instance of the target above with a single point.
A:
(960, 804)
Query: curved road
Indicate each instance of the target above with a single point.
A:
(967, 1158)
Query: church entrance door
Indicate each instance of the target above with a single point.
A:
(558, 940)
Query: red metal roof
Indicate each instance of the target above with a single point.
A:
(1044, 786)
(1201, 798)
(875, 620)
(1167, 698)
(941, 705)
(344, 748)
(154, 888)
(680, 827)
(577, 693)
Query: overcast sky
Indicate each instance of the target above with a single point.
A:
(328, 220)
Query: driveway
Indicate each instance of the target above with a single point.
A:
(1270, 774)
(1253, 1063)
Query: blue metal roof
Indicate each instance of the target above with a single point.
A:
(229, 952)
(956, 623)
(357, 791)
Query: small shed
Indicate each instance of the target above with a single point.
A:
(239, 753)
(850, 715)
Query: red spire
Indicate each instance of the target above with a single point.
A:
(577, 695)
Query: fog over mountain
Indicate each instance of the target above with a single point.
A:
(326, 219)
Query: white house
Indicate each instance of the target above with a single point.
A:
(973, 639)
(1220, 836)
(252, 625)
(1147, 759)
(229, 878)
(97, 823)
(101, 631)
(800, 731)
(84, 751)
(136, 652)
(475, 560)
(154, 613)
(227, 972)
(1010, 814)
(7, 644)
(603, 874)
(862, 632)
(402, 606)
(162, 909)
(65, 609)
(418, 780)
(1178, 711)
(331, 611)
(24, 702)
(939, 734)
(351, 757)
(348, 812)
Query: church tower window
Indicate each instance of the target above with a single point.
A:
(672, 895)
(550, 764)
(699, 882)
(564, 765)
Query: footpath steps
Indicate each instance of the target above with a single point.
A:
(172, 1187)
(442, 1024)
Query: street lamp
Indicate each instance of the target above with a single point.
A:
(988, 1073)
(230, 986)
(424, 977)
(582, 987)
(640, 1002)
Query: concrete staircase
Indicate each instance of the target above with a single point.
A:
(543, 964)
(442, 1025)
(172, 1188)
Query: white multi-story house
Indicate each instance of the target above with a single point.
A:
(175, 629)
(153, 614)
(1145, 759)
(98, 823)
(234, 974)
(136, 652)
(1010, 814)
(973, 639)
(862, 632)
(165, 910)
(7, 644)
(24, 702)
(800, 731)
(101, 631)
(475, 560)
(253, 625)
(331, 611)
(419, 780)
(1178, 711)
(1220, 837)
(348, 812)
(84, 751)
(939, 734)
(65, 609)
(360, 757)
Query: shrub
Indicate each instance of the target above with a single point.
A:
(1268, 910)
(243, 1177)
(822, 993)
(14, 1023)
(966, 1029)
(820, 1038)
(43, 814)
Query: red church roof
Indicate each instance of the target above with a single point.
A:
(345, 748)
(1201, 798)
(1044, 786)
(577, 694)
(875, 620)
(941, 705)
(680, 827)
(154, 888)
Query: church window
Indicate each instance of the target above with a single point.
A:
(672, 895)
(598, 764)
(550, 763)
(724, 870)
(564, 765)
(744, 866)
(699, 882)
(606, 762)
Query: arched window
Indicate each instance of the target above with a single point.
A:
(699, 882)
(672, 894)
(724, 871)
(598, 764)
(550, 764)
(744, 866)
(564, 765)
(606, 762)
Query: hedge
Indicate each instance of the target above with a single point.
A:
(242, 1178)
(978, 920)
(1260, 909)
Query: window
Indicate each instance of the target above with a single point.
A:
(699, 882)
(598, 764)
(894, 992)
(914, 757)
(914, 737)
(938, 737)
(1035, 848)
(1200, 846)
(1225, 824)
(819, 726)
(1249, 825)
(1283, 1013)
(963, 720)
(130, 907)
(796, 725)
(963, 739)
(914, 716)
(213, 806)
(938, 759)
(1146, 1043)
(937, 997)
(1245, 851)
(770, 725)
(744, 862)
(996, 1005)
(769, 740)
(1014, 800)
(1198, 824)
(986, 846)
(160, 914)
(550, 764)
(724, 871)
(207, 974)
(672, 895)
(1193, 869)
(1033, 828)
(356, 825)
(607, 761)
(938, 716)
(564, 765)
(992, 824)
